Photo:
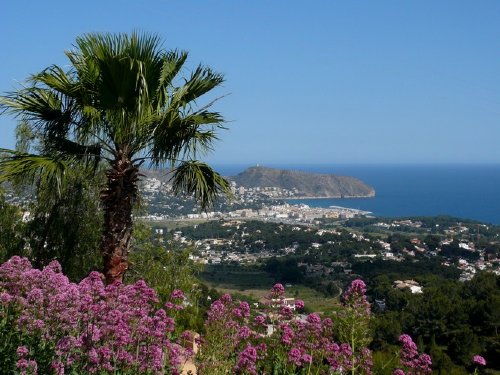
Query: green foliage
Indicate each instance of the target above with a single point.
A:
(462, 345)
(166, 267)
(237, 277)
(67, 227)
(386, 329)
(384, 361)
(454, 251)
(11, 229)
(432, 241)
(455, 320)
(440, 360)
(404, 270)
(10, 340)
(63, 214)
(284, 270)
(198, 179)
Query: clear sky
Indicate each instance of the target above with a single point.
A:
(309, 81)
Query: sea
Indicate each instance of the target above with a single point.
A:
(462, 191)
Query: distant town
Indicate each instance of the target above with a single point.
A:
(266, 203)
(324, 232)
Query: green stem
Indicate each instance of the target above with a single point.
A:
(353, 370)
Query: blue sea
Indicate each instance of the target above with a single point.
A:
(463, 191)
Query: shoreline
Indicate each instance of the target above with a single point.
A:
(328, 197)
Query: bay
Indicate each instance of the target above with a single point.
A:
(463, 191)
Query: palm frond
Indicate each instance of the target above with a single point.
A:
(171, 66)
(34, 103)
(202, 80)
(197, 178)
(140, 46)
(186, 136)
(48, 112)
(88, 155)
(172, 63)
(28, 167)
(58, 80)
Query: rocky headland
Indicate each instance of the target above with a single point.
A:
(305, 184)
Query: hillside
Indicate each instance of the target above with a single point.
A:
(312, 185)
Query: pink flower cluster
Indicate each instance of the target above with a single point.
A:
(92, 327)
(177, 298)
(411, 360)
(24, 365)
(478, 360)
(273, 338)
(355, 297)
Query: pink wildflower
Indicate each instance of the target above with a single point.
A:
(90, 325)
(5, 298)
(306, 358)
(245, 309)
(286, 313)
(278, 289)
(295, 356)
(22, 352)
(177, 294)
(288, 334)
(410, 358)
(27, 366)
(187, 336)
(479, 360)
(327, 323)
(314, 318)
(244, 333)
(237, 313)
(299, 304)
(58, 367)
(355, 298)
(247, 360)
(260, 320)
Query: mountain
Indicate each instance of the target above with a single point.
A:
(311, 185)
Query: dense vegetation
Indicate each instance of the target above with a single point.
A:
(451, 320)
(50, 325)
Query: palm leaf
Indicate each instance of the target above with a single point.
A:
(177, 136)
(58, 80)
(202, 80)
(28, 167)
(197, 178)
(171, 66)
(34, 103)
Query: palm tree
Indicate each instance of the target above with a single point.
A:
(120, 103)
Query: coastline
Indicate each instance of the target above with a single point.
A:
(327, 197)
(330, 208)
(458, 190)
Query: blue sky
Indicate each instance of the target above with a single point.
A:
(309, 82)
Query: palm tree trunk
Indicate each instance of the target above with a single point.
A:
(118, 200)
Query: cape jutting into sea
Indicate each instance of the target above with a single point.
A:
(462, 191)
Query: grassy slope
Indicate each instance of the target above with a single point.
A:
(256, 285)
